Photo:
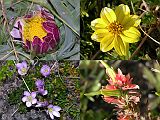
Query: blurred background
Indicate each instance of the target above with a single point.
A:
(146, 74)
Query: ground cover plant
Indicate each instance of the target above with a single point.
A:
(125, 29)
(43, 29)
(127, 91)
(39, 90)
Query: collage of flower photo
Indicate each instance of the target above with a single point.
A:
(79, 60)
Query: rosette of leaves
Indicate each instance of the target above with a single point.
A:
(66, 13)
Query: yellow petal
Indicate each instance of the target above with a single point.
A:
(137, 20)
(121, 11)
(99, 34)
(108, 15)
(120, 46)
(128, 22)
(131, 35)
(107, 43)
(98, 24)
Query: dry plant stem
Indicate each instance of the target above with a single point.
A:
(26, 84)
(140, 45)
(8, 29)
(94, 56)
(4, 57)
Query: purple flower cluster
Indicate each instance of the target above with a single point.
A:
(30, 97)
(40, 87)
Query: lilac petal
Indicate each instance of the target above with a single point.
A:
(24, 99)
(19, 65)
(38, 105)
(33, 94)
(28, 104)
(56, 108)
(24, 64)
(15, 33)
(45, 92)
(26, 93)
(19, 21)
(34, 101)
(50, 106)
(39, 83)
(20, 72)
(50, 114)
(56, 113)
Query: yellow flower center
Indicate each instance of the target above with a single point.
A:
(23, 70)
(46, 70)
(33, 27)
(115, 28)
(30, 98)
(50, 109)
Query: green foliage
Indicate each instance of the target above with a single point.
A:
(92, 76)
(7, 70)
(60, 92)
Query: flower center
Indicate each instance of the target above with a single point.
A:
(50, 110)
(23, 70)
(46, 70)
(115, 28)
(30, 98)
(33, 27)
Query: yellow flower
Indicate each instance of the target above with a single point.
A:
(116, 29)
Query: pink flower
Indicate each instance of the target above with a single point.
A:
(53, 111)
(29, 98)
(45, 70)
(122, 81)
(38, 31)
(22, 68)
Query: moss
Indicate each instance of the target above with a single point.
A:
(7, 70)
(59, 91)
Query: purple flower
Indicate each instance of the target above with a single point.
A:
(29, 98)
(45, 70)
(53, 111)
(38, 31)
(41, 104)
(22, 68)
(40, 87)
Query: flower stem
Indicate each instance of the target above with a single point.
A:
(26, 84)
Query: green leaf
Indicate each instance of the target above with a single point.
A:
(93, 93)
(104, 92)
(109, 70)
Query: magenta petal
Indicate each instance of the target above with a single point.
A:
(47, 15)
(36, 41)
(48, 38)
(56, 34)
(45, 47)
(37, 49)
(28, 45)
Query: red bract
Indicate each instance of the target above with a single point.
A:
(123, 82)
(128, 99)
